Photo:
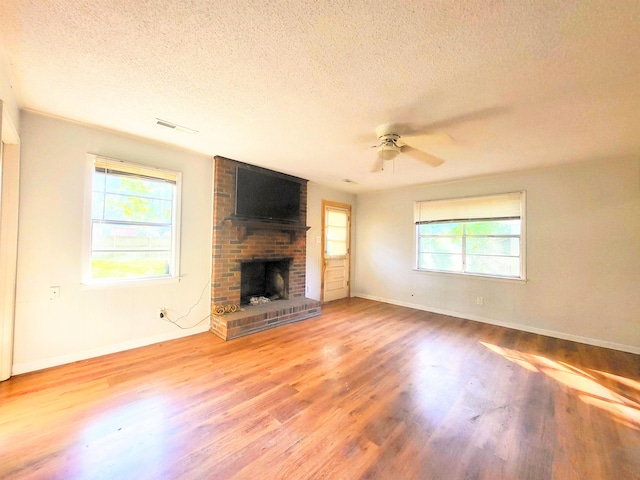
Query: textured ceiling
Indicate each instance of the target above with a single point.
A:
(300, 86)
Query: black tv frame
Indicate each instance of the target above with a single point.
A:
(267, 195)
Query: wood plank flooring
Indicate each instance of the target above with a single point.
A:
(366, 391)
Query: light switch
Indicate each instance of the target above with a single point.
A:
(54, 293)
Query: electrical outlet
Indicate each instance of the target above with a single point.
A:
(480, 300)
(161, 312)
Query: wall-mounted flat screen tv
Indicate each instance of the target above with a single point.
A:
(267, 196)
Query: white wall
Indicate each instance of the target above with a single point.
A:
(315, 195)
(84, 321)
(583, 254)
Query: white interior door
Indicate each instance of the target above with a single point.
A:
(336, 240)
(9, 194)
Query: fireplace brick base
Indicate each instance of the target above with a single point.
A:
(263, 317)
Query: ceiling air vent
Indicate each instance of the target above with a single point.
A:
(175, 126)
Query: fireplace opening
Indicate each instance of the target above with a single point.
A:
(264, 279)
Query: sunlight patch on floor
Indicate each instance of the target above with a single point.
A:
(621, 408)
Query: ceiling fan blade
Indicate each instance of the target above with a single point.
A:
(422, 156)
(377, 166)
(413, 130)
(428, 138)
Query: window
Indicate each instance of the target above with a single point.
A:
(134, 221)
(477, 236)
(336, 231)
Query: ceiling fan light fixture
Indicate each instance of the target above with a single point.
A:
(388, 151)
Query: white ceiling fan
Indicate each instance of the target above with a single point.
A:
(391, 144)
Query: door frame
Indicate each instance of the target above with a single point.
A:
(344, 206)
(9, 209)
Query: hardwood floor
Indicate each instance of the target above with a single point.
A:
(367, 390)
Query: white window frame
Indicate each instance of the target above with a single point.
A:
(145, 170)
(468, 209)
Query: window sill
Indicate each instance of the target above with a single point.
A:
(134, 282)
(471, 275)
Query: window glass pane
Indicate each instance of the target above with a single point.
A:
(139, 186)
(494, 227)
(97, 205)
(130, 264)
(336, 233)
(336, 219)
(500, 266)
(98, 181)
(441, 244)
(443, 262)
(137, 209)
(107, 236)
(336, 248)
(507, 246)
(446, 228)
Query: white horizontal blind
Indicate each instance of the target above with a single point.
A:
(507, 205)
(122, 167)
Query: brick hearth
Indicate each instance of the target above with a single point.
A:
(237, 240)
(252, 319)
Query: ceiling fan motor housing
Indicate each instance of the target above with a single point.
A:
(389, 138)
(388, 149)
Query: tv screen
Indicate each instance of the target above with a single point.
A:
(266, 196)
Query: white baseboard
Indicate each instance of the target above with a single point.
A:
(25, 367)
(525, 328)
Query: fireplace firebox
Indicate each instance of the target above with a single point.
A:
(264, 279)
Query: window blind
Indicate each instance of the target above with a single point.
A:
(115, 166)
(507, 205)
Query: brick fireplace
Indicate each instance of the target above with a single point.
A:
(270, 253)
